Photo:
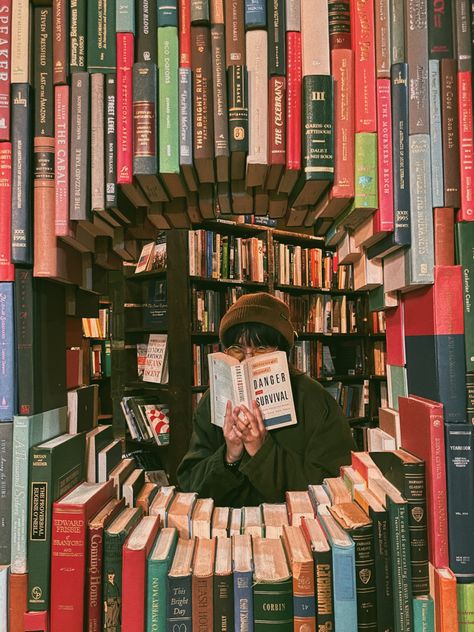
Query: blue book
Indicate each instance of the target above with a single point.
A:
(242, 565)
(22, 202)
(7, 351)
(209, 251)
(255, 14)
(423, 614)
(344, 580)
(437, 177)
(179, 610)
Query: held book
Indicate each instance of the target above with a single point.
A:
(264, 378)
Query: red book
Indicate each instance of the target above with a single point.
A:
(95, 539)
(5, 52)
(395, 336)
(466, 149)
(443, 219)
(134, 556)
(61, 149)
(363, 45)
(422, 433)
(36, 621)
(383, 217)
(293, 100)
(17, 600)
(44, 214)
(445, 599)
(342, 70)
(125, 47)
(184, 33)
(7, 271)
(69, 552)
(276, 130)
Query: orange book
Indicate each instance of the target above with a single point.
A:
(299, 506)
(202, 584)
(445, 599)
(36, 621)
(17, 603)
(302, 568)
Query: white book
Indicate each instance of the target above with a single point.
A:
(156, 359)
(257, 68)
(107, 459)
(264, 378)
(315, 51)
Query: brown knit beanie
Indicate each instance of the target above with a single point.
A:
(259, 308)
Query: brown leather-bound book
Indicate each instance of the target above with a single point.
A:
(203, 124)
(450, 132)
(44, 216)
(145, 496)
(202, 584)
(444, 236)
(17, 603)
(234, 33)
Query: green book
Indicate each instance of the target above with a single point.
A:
(272, 587)
(366, 191)
(396, 384)
(114, 537)
(465, 257)
(465, 594)
(77, 35)
(168, 125)
(107, 358)
(28, 430)
(56, 467)
(101, 49)
(158, 565)
(423, 614)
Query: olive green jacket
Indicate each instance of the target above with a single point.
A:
(289, 459)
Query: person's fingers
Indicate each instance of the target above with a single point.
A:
(258, 416)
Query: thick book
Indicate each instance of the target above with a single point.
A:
(145, 118)
(437, 167)
(300, 562)
(426, 440)
(180, 511)
(44, 239)
(272, 587)
(69, 544)
(180, 601)
(158, 564)
(28, 431)
(363, 44)
(264, 378)
(274, 517)
(242, 568)
(407, 473)
(257, 158)
(56, 466)
(201, 518)
(219, 78)
(223, 587)
(136, 550)
(202, 583)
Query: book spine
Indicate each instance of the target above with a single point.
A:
(44, 212)
(460, 495)
(18, 588)
(318, 128)
(169, 99)
(401, 570)
(293, 101)
(440, 29)
(276, 37)
(221, 123)
(383, 570)
(363, 538)
(255, 14)
(24, 341)
(344, 588)
(256, 50)
(339, 23)
(133, 589)
(79, 148)
(423, 615)
(400, 153)
(95, 556)
(443, 220)
(437, 177)
(21, 445)
(6, 267)
(144, 118)
(110, 145)
(272, 605)
(125, 16)
(6, 445)
(146, 35)
(470, 398)
(450, 132)
(43, 71)
(363, 44)
(323, 588)
(450, 361)
(304, 602)
(101, 42)
(465, 257)
(124, 108)
(20, 42)
(465, 599)
(366, 191)
(185, 117)
(421, 253)
(200, 12)
(60, 42)
(384, 214)
(5, 71)
(342, 64)
(243, 602)
(157, 595)
(203, 603)
(417, 59)
(179, 610)
(203, 134)
(223, 603)
(61, 153)
(234, 33)
(184, 34)
(383, 39)
(77, 35)
(466, 151)
(97, 200)
(277, 119)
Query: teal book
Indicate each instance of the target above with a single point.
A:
(125, 16)
(272, 586)
(423, 614)
(168, 100)
(437, 175)
(397, 384)
(56, 467)
(158, 565)
(101, 48)
(180, 602)
(27, 432)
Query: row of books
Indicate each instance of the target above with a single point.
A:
(152, 256)
(340, 357)
(146, 419)
(97, 327)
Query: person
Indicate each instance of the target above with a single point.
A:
(111, 603)
(243, 463)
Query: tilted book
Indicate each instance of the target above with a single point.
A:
(264, 378)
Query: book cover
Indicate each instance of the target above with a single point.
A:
(263, 378)
(202, 583)
(6, 476)
(82, 408)
(101, 43)
(5, 76)
(158, 564)
(223, 587)
(125, 55)
(301, 565)
(7, 272)
(77, 35)
(156, 359)
(180, 599)
(464, 232)
(7, 354)
(145, 31)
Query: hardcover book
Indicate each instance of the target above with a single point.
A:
(158, 564)
(180, 599)
(263, 378)
(242, 566)
(7, 350)
(464, 232)
(202, 583)
(6, 479)
(300, 562)
(180, 511)
(223, 587)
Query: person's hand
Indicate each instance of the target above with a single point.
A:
(249, 427)
(234, 444)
